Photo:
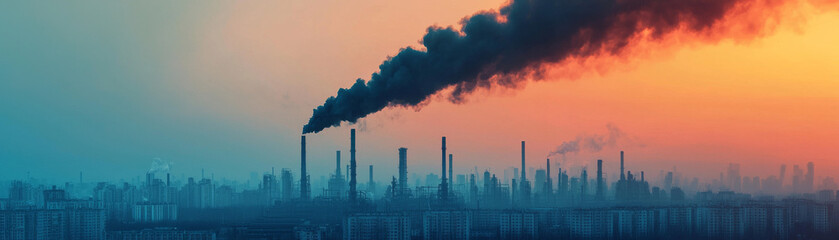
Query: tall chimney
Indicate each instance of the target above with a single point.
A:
(304, 180)
(623, 177)
(583, 183)
(80, 177)
(352, 165)
(403, 170)
(548, 161)
(548, 183)
(444, 186)
(523, 176)
(338, 164)
(451, 178)
(559, 183)
(599, 193)
(167, 180)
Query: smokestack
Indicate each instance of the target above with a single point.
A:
(403, 170)
(523, 176)
(451, 168)
(548, 184)
(559, 183)
(583, 183)
(623, 177)
(444, 186)
(337, 163)
(167, 180)
(304, 180)
(80, 177)
(352, 165)
(599, 179)
(548, 161)
(370, 181)
(642, 176)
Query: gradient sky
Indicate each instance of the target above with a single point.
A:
(105, 87)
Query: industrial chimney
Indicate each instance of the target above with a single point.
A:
(623, 176)
(403, 170)
(451, 178)
(304, 179)
(548, 183)
(338, 164)
(444, 186)
(352, 166)
(599, 191)
(523, 176)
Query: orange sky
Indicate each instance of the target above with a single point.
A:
(760, 102)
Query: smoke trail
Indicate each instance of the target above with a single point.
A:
(506, 47)
(592, 143)
(159, 165)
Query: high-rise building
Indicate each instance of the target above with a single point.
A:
(391, 226)
(734, 179)
(446, 225)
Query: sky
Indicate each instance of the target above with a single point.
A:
(104, 88)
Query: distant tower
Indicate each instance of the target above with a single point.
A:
(599, 193)
(371, 186)
(444, 186)
(623, 176)
(583, 184)
(451, 178)
(524, 190)
(403, 170)
(549, 189)
(523, 175)
(782, 174)
(338, 164)
(353, 190)
(304, 178)
(810, 177)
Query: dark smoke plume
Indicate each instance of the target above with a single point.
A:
(506, 47)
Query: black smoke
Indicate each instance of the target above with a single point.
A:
(506, 47)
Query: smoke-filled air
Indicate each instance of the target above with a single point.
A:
(507, 47)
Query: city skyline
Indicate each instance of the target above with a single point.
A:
(589, 204)
(779, 184)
